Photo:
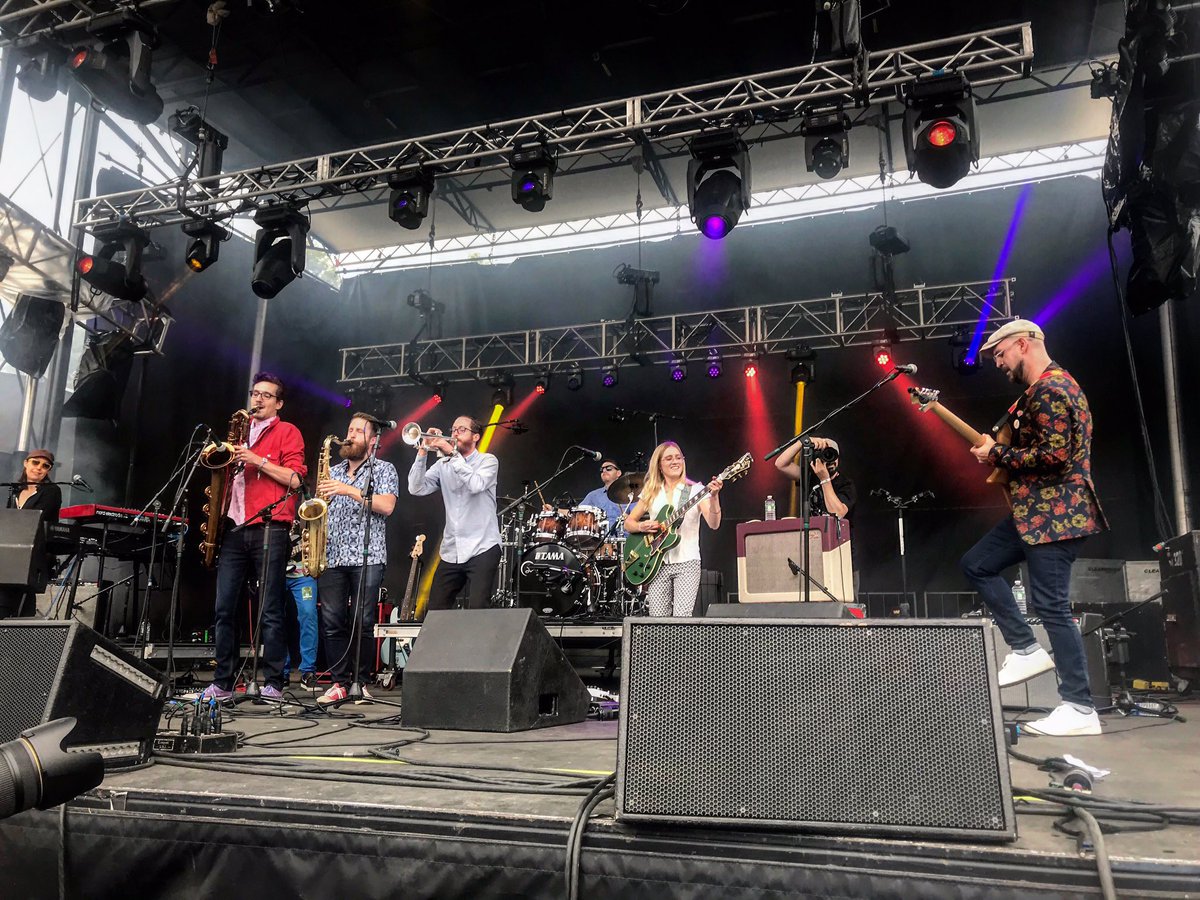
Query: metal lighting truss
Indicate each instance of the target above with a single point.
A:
(26, 19)
(839, 320)
(665, 119)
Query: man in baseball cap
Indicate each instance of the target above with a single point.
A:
(1047, 459)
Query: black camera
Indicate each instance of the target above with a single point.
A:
(828, 455)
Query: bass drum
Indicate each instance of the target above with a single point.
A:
(553, 581)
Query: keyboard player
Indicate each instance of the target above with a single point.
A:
(33, 490)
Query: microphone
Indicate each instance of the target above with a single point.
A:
(792, 565)
(383, 423)
(907, 369)
(594, 454)
(80, 482)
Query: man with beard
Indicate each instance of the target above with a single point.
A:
(341, 604)
(1054, 507)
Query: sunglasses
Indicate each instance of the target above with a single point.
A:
(609, 469)
(40, 463)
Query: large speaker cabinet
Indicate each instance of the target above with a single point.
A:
(825, 725)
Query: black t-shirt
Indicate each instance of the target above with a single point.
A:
(47, 497)
(845, 490)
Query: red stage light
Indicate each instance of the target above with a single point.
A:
(85, 264)
(540, 388)
(941, 134)
(437, 398)
(751, 369)
(883, 357)
(79, 58)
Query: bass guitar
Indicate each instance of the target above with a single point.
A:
(644, 552)
(926, 400)
(408, 604)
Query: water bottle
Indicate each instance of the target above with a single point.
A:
(1019, 595)
(769, 509)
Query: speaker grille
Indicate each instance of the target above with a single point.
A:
(879, 727)
(28, 667)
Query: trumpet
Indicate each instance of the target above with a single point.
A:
(412, 435)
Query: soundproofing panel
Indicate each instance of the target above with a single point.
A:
(57, 669)
(489, 670)
(823, 725)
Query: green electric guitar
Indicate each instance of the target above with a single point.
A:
(644, 552)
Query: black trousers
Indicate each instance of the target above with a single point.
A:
(478, 574)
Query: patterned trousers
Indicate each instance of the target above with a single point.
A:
(673, 589)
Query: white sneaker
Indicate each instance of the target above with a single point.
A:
(1020, 667)
(366, 698)
(1065, 721)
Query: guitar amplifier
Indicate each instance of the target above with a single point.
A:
(770, 554)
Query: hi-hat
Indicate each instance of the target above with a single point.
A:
(626, 488)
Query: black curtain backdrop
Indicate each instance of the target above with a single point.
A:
(1059, 244)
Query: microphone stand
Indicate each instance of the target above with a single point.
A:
(619, 413)
(891, 376)
(900, 505)
(174, 605)
(356, 688)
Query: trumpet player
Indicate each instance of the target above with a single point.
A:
(344, 488)
(268, 465)
(466, 477)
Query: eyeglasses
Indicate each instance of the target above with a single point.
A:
(40, 463)
(457, 428)
(609, 469)
(262, 395)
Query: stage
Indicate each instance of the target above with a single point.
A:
(296, 812)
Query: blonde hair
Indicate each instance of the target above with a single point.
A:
(654, 479)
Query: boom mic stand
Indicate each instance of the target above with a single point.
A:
(356, 688)
(900, 505)
(619, 414)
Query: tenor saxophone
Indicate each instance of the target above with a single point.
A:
(219, 458)
(314, 512)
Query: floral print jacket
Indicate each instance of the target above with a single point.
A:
(1050, 462)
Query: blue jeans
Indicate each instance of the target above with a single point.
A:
(338, 589)
(241, 559)
(1049, 582)
(304, 592)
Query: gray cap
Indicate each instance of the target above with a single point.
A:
(1015, 328)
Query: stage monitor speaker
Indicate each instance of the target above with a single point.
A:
(1180, 562)
(57, 669)
(22, 559)
(489, 670)
(836, 726)
(792, 610)
(30, 333)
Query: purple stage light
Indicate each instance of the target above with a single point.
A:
(1001, 264)
(716, 227)
(677, 374)
(609, 379)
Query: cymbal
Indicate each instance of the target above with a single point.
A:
(626, 488)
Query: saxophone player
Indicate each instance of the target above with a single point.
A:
(344, 488)
(267, 466)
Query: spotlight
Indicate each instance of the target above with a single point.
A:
(802, 373)
(610, 376)
(38, 72)
(115, 70)
(941, 139)
(542, 382)
(408, 202)
(886, 241)
(826, 143)
(750, 368)
(210, 143)
(714, 364)
(421, 300)
(964, 361)
(37, 771)
(439, 389)
(123, 279)
(533, 169)
(882, 352)
(205, 245)
(718, 182)
(678, 368)
(279, 249)
(1106, 82)
(575, 379)
(503, 384)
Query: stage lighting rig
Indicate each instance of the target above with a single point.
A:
(422, 301)
(408, 200)
(886, 241)
(115, 70)
(209, 142)
(1106, 81)
(962, 360)
(718, 182)
(678, 369)
(205, 246)
(122, 279)
(533, 168)
(39, 65)
(610, 376)
(575, 378)
(941, 137)
(714, 364)
(440, 385)
(881, 352)
(803, 358)
(826, 143)
(542, 383)
(503, 394)
(643, 281)
(279, 249)
(750, 367)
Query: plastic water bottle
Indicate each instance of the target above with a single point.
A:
(769, 509)
(1019, 595)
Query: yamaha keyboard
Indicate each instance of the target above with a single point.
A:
(86, 513)
(93, 529)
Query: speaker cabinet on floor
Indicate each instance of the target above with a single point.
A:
(825, 725)
(54, 669)
(489, 670)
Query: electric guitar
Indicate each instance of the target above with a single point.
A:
(644, 552)
(408, 605)
(926, 400)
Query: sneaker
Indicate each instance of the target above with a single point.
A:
(271, 693)
(1019, 667)
(308, 681)
(1065, 721)
(366, 698)
(216, 692)
(335, 694)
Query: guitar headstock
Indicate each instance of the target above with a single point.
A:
(924, 397)
(418, 547)
(737, 470)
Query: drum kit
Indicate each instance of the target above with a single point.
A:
(567, 561)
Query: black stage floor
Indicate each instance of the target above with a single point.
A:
(457, 814)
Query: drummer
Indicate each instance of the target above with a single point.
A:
(609, 472)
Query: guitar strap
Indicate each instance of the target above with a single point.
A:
(1012, 415)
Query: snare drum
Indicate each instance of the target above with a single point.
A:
(610, 553)
(586, 527)
(546, 527)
